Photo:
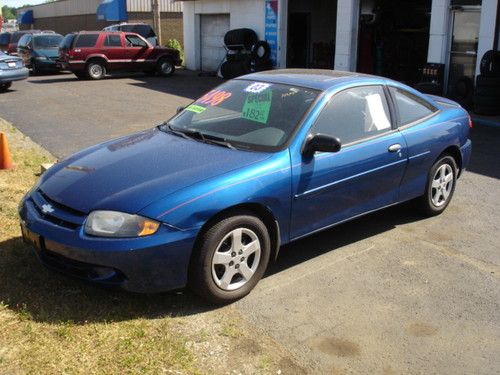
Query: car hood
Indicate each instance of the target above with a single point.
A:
(130, 173)
(47, 52)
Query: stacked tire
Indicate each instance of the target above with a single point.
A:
(487, 92)
(246, 54)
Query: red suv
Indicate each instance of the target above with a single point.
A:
(90, 54)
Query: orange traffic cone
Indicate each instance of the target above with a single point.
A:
(5, 158)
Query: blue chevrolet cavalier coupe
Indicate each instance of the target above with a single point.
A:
(207, 198)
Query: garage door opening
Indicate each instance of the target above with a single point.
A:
(311, 33)
(213, 27)
(394, 38)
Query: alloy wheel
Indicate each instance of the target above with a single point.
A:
(442, 185)
(236, 259)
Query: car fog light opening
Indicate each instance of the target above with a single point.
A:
(119, 224)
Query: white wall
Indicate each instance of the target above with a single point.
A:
(243, 13)
(346, 44)
(486, 29)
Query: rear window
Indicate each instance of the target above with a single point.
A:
(145, 31)
(4, 38)
(86, 40)
(47, 41)
(67, 41)
(113, 41)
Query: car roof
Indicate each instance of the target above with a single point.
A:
(46, 34)
(318, 79)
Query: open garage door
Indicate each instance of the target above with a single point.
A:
(213, 27)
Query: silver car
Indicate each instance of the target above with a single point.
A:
(11, 69)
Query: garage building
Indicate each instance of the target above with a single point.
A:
(64, 16)
(392, 38)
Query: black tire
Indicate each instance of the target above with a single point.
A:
(95, 69)
(487, 91)
(5, 86)
(425, 202)
(463, 90)
(165, 67)
(490, 64)
(35, 70)
(240, 39)
(483, 81)
(238, 56)
(261, 51)
(481, 109)
(201, 279)
(233, 69)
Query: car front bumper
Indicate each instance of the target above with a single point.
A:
(13, 75)
(151, 264)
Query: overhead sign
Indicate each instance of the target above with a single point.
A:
(271, 29)
(112, 10)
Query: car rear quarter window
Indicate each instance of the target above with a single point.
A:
(113, 40)
(86, 40)
(355, 114)
(16, 37)
(23, 41)
(410, 108)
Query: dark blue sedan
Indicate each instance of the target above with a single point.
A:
(207, 198)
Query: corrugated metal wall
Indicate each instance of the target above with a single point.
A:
(78, 7)
(145, 6)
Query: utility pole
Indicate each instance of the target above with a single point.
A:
(155, 7)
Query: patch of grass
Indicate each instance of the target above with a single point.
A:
(231, 329)
(52, 324)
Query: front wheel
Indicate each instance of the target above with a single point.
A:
(5, 86)
(165, 67)
(231, 259)
(441, 182)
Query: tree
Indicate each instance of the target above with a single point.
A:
(8, 12)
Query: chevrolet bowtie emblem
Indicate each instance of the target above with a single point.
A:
(47, 209)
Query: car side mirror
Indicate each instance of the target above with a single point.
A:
(321, 143)
(180, 109)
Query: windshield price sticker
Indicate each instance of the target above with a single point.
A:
(257, 107)
(214, 97)
(257, 87)
(196, 108)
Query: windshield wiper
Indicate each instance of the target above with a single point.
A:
(197, 135)
(218, 141)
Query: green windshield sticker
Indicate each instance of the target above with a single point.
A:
(196, 108)
(257, 106)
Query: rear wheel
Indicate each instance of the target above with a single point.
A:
(165, 67)
(231, 259)
(5, 86)
(441, 182)
(96, 70)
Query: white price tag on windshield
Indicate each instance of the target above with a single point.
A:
(257, 87)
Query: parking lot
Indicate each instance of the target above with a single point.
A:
(391, 293)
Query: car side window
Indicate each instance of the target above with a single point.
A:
(113, 40)
(86, 40)
(355, 114)
(23, 42)
(410, 107)
(135, 41)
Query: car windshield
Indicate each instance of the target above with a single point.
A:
(47, 41)
(246, 114)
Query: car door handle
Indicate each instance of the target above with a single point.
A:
(394, 148)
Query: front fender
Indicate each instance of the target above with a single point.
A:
(267, 183)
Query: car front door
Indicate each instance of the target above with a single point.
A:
(113, 47)
(363, 176)
(137, 50)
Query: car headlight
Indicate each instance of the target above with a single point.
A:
(119, 224)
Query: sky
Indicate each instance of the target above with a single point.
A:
(18, 3)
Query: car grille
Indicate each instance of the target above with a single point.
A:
(55, 212)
